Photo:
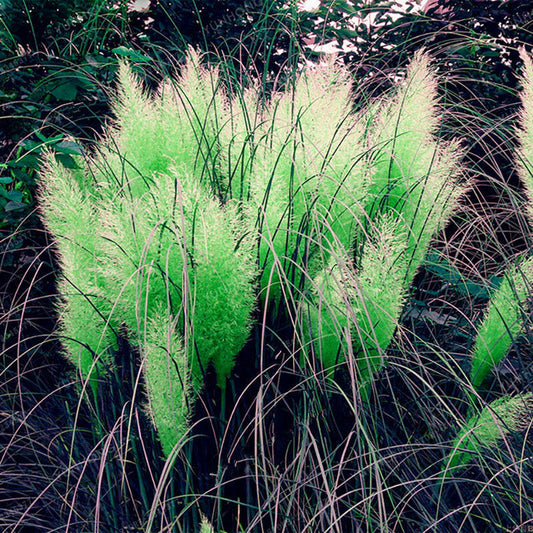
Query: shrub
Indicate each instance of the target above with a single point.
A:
(199, 198)
(155, 241)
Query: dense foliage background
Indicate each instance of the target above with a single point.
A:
(58, 65)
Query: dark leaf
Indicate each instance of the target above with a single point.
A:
(14, 206)
(129, 53)
(14, 196)
(68, 147)
(65, 92)
(66, 160)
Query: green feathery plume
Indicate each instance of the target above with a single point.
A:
(167, 381)
(68, 212)
(354, 311)
(503, 318)
(502, 322)
(328, 311)
(151, 134)
(484, 430)
(205, 526)
(183, 248)
(176, 241)
(381, 293)
(308, 178)
(414, 174)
